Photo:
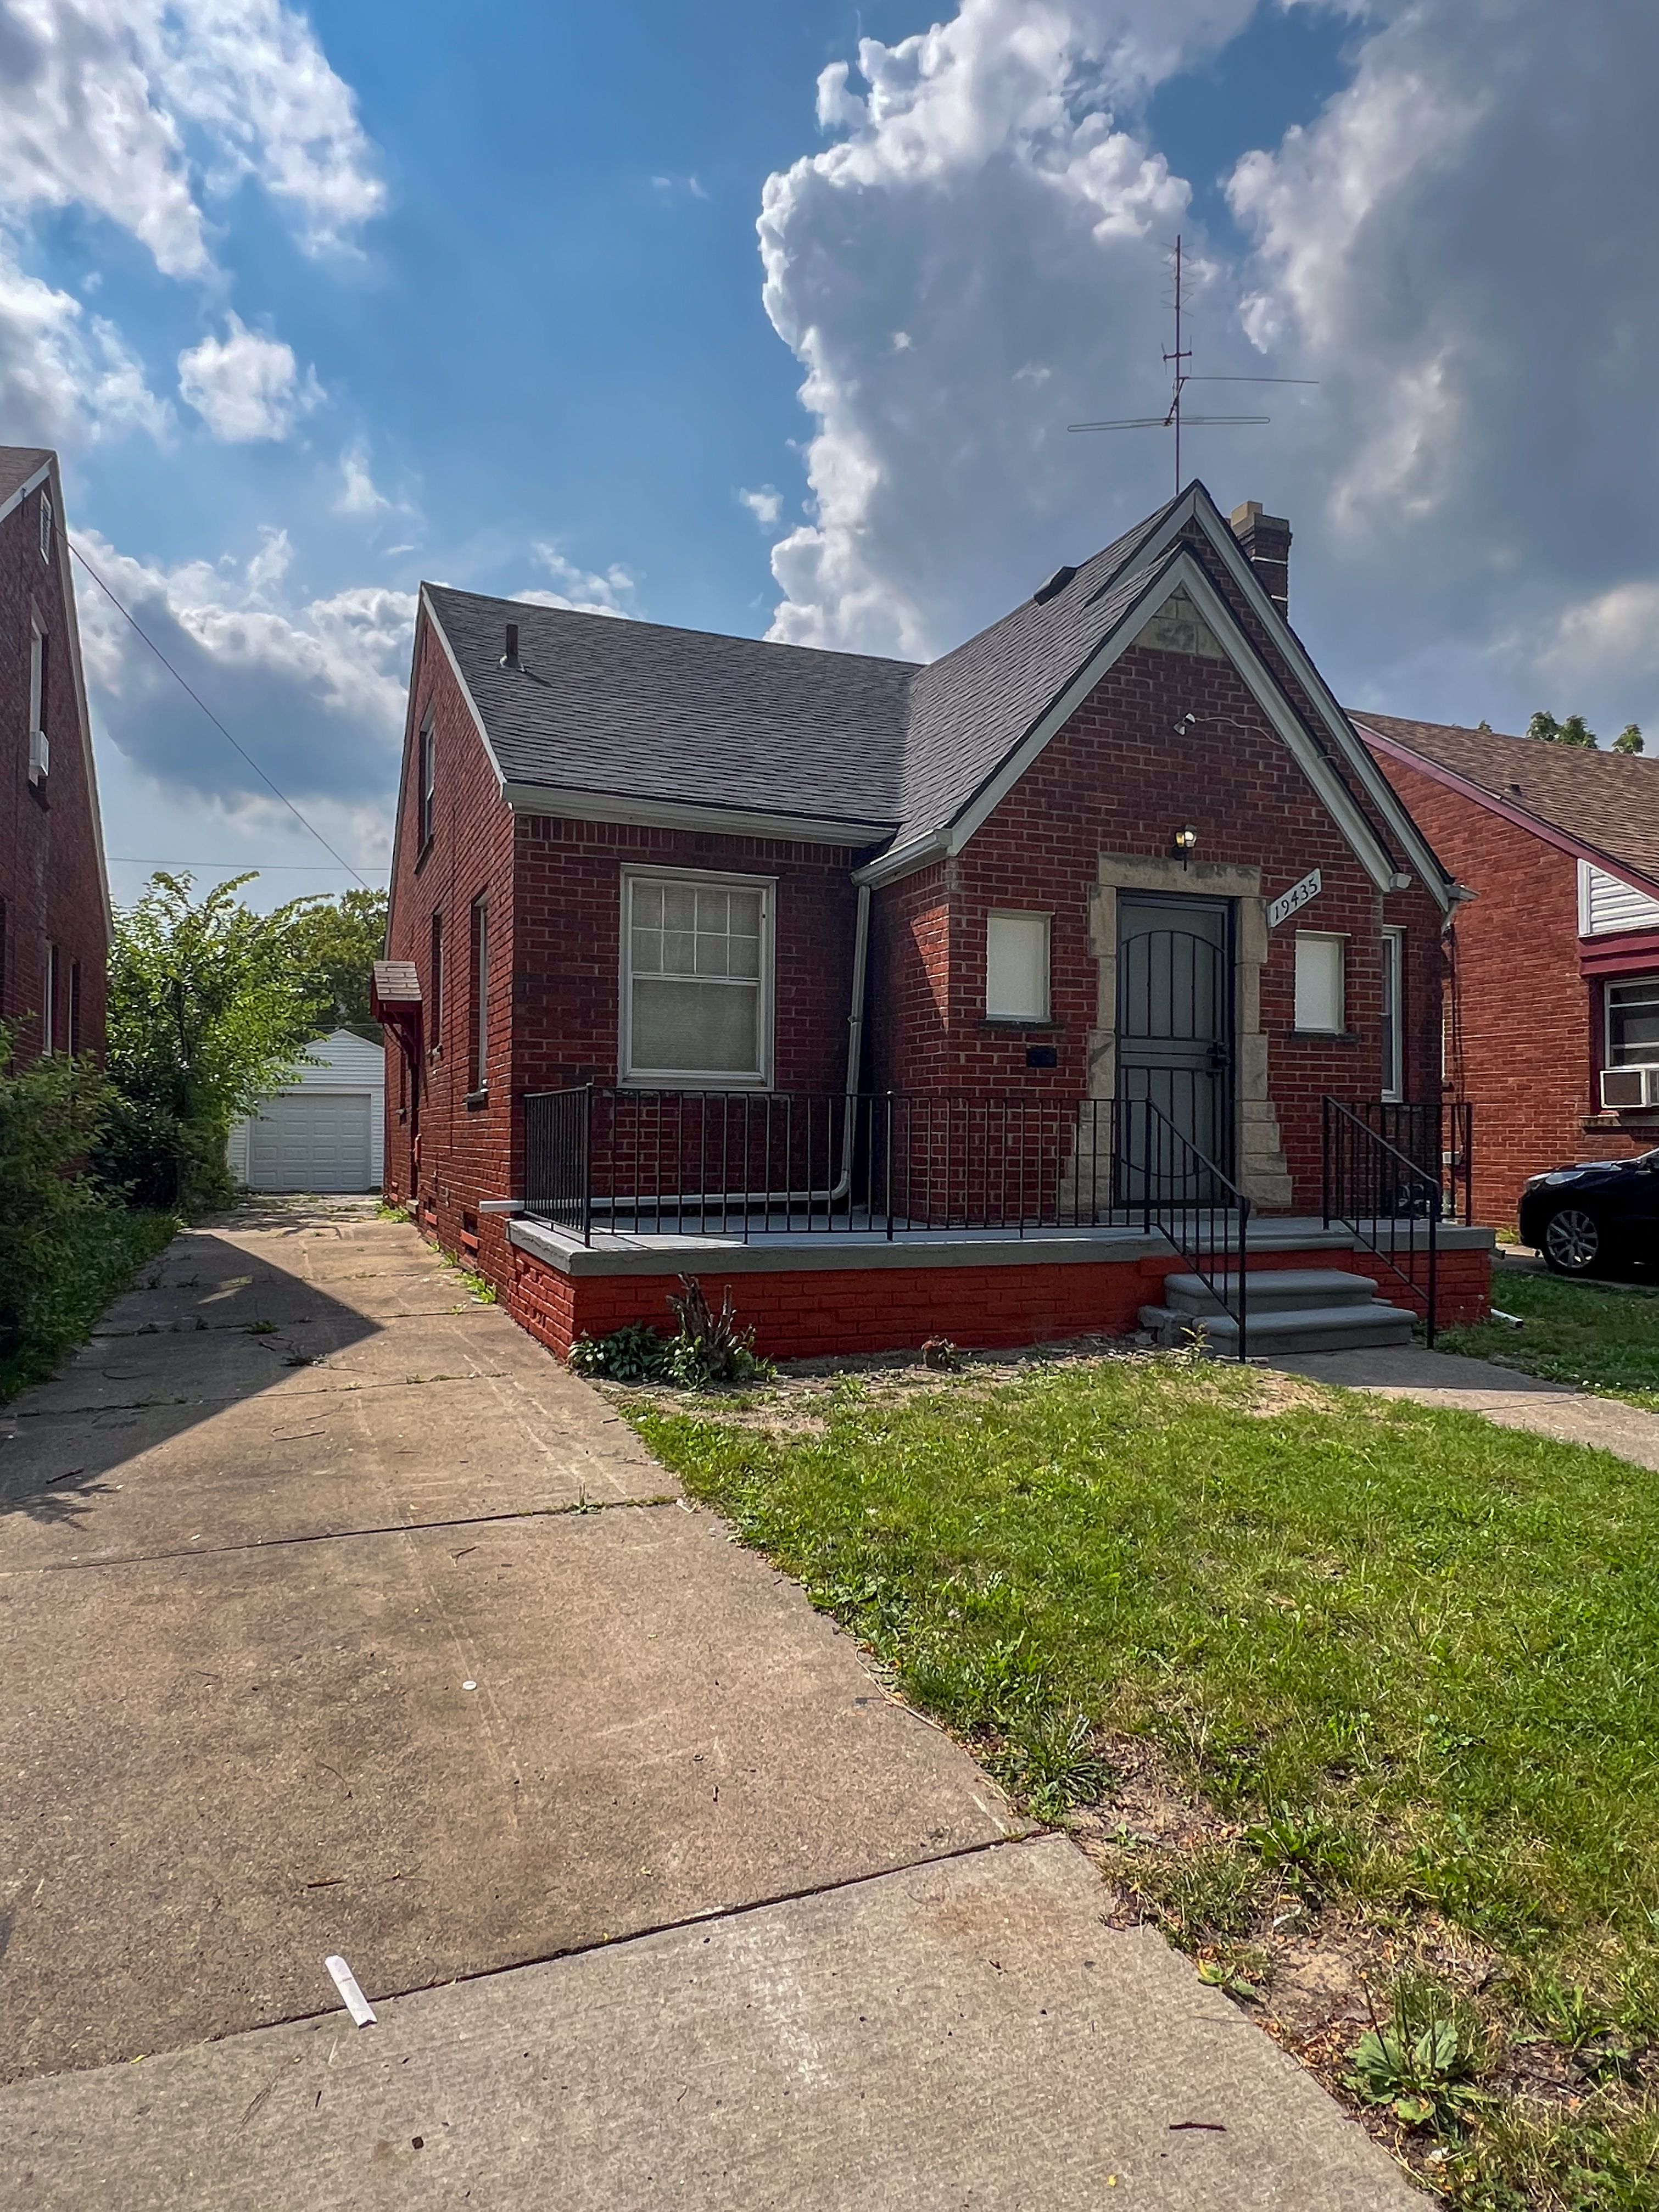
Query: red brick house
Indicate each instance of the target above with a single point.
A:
(968, 1000)
(54, 890)
(1553, 1012)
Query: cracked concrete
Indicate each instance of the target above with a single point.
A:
(412, 1653)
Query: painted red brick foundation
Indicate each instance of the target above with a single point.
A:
(824, 1311)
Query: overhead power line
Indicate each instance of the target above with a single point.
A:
(263, 867)
(235, 747)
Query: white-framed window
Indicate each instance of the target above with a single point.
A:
(46, 526)
(696, 979)
(40, 746)
(479, 1062)
(1016, 966)
(429, 781)
(1320, 961)
(1632, 1023)
(1394, 1013)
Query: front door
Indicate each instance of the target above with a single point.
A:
(1175, 1044)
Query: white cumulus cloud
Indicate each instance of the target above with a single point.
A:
(581, 591)
(1458, 246)
(311, 686)
(65, 377)
(244, 386)
(765, 504)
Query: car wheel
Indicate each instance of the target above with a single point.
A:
(1572, 1242)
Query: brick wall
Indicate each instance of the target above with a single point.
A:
(1117, 779)
(848, 1310)
(50, 879)
(1526, 1025)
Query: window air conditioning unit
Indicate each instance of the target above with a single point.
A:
(1625, 1087)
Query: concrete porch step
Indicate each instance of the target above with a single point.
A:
(1271, 1290)
(1346, 1328)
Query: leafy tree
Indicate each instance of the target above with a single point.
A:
(207, 1014)
(1629, 739)
(1575, 731)
(333, 943)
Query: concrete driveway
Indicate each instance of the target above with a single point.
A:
(335, 1617)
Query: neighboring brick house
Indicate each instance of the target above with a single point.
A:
(54, 890)
(1118, 865)
(1553, 1014)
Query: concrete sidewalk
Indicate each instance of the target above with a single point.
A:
(335, 1616)
(1497, 1393)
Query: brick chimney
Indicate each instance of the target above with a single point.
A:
(1265, 540)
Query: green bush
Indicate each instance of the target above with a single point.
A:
(708, 1351)
(66, 1247)
(636, 1353)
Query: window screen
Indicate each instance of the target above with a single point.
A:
(478, 1059)
(1319, 962)
(1634, 1024)
(1016, 966)
(696, 980)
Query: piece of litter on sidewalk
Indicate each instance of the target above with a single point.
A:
(346, 1982)
(469, 1686)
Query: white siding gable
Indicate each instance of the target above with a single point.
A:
(1607, 905)
(347, 1065)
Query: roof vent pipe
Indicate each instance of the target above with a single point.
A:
(510, 658)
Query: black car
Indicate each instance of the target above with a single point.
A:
(1597, 1216)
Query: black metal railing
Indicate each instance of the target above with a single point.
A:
(1391, 1203)
(745, 1163)
(558, 1151)
(1437, 1135)
(1185, 1195)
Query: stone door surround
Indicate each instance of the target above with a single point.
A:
(1261, 1171)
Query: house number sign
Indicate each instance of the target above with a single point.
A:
(1294, 900)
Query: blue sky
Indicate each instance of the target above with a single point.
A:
(367, 295)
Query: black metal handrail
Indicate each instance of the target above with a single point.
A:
(1182, 1192)
(1391, 1203)
(1436, 1134)
(743, 1163)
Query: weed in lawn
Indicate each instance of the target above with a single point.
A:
(1050, 1765)
(1200, 1895)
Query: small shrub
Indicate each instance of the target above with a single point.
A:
(710, 1350)
(636, 1353)
(1050, 1762)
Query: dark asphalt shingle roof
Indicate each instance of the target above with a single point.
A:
(1608, 801)
(18, 465)
(634, 710)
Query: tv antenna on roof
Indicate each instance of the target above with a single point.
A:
(1175, 415)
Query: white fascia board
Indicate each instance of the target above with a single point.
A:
(1184, 571)
(673, 814)
(461, 685)
(904, 860)
(33, 483)
(1198, 506)
(82, 710)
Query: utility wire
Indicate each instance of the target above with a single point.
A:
(213, 717)
(265, 867)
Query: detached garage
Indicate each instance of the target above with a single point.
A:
(325, 1131)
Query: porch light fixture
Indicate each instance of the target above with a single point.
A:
(1186, 842)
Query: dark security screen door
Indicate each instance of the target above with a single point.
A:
(1175, 1035)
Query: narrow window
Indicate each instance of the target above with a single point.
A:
(74, 1007)
(1632, 1030)
(49, 1018)
(1394, 1013)
(1319, 982)
(428, 783)
(46, 526)
(696, 980)
(1016, 966)
(478, 1072)
(434, 996)
(39, 750)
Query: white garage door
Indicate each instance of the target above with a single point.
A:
(311, 1140)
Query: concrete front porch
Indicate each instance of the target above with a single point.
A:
(808, 1293)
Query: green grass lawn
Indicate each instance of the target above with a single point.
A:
(92, 1260)
(1406, 1662)
(1601, 1336)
